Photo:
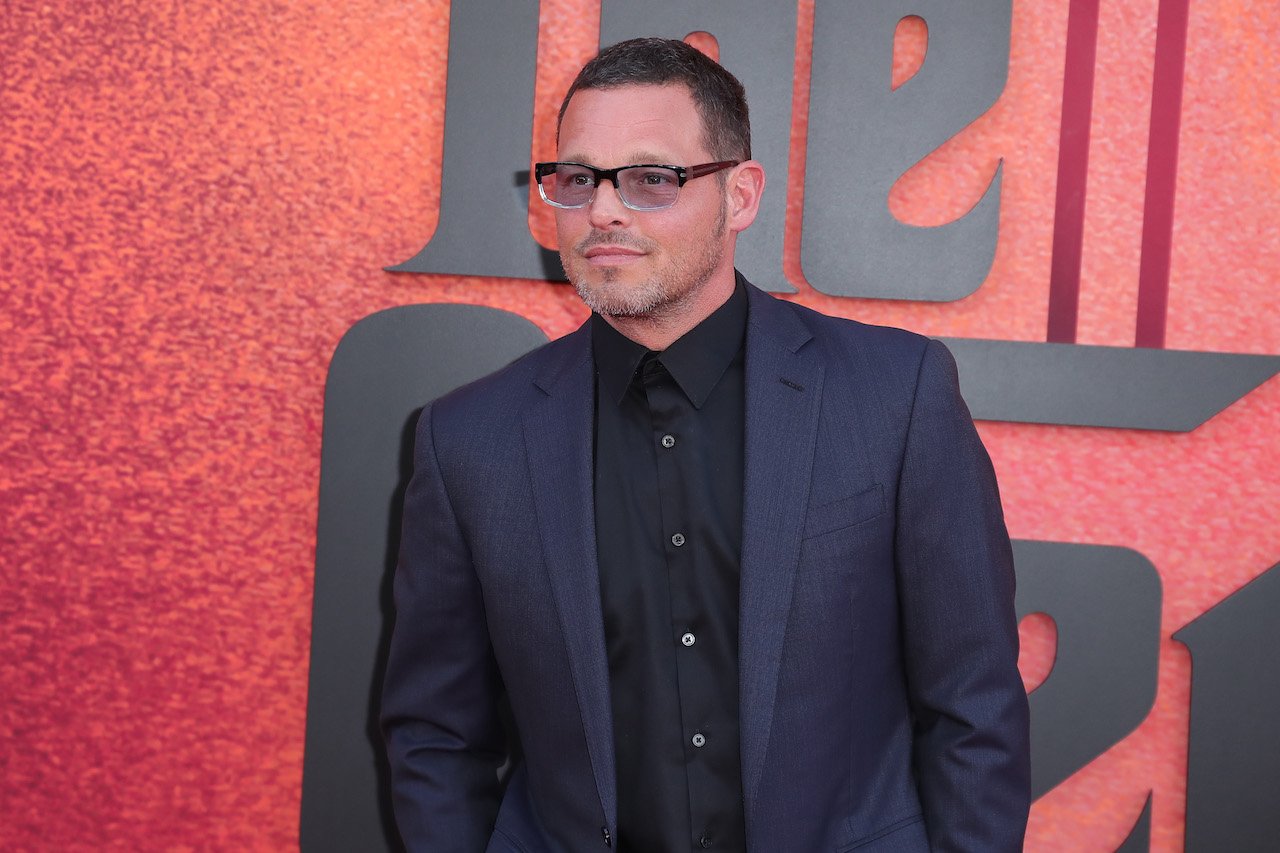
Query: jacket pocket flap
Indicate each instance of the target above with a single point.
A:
(845, 512)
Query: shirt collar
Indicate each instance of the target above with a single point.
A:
(696, 361)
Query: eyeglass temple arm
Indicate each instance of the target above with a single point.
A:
(709, 168)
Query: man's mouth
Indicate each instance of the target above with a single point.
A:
(607, 254)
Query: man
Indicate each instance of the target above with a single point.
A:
(739, 568)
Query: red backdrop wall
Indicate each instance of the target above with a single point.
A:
(199, 201)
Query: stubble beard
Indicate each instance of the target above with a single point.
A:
(611, 296)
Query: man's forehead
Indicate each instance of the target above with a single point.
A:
(641, 123)
(647, 153)
(672, 93)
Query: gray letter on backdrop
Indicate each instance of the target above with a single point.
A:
(1233, 759)
(863, 136)
(488, 131)
(385, 368)
(1105, 602)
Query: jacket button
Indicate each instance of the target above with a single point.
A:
(699, 740)
(704, 842)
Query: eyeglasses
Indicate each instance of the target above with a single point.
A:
(646, 186)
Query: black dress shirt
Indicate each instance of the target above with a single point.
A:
(668, 501)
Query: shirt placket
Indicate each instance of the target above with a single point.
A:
(669, 410)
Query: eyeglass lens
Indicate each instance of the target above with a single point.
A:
(643, 187)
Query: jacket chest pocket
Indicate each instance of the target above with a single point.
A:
(836, 515)
(846, 533)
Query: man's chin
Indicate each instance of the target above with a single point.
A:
(614, 298)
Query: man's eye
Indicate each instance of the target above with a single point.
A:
(583, 180)
(657, 179)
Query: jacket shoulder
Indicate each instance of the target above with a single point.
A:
(867, 368)
(500, 395)
(885, 349)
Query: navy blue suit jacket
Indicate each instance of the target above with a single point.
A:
(880, 703)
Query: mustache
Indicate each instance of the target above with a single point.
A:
(613, 238)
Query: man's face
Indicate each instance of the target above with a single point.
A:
(631, 263)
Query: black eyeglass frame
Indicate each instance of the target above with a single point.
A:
(683, 176)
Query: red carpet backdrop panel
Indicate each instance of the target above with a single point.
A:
(199, 203)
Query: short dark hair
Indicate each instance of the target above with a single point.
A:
(719, 97)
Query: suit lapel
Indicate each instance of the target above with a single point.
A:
(783, 392)
(559, 439)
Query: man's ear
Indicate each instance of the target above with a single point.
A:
(743, 189)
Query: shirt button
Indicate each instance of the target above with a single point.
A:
(677, 540)
(668, 441)
(688, 639)
(699, 740)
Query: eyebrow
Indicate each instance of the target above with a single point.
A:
(640, 157)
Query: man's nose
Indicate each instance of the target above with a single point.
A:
(606, 207)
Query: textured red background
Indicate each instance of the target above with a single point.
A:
(198, 202)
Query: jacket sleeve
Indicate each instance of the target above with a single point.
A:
(956, 588)
(441, 690)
